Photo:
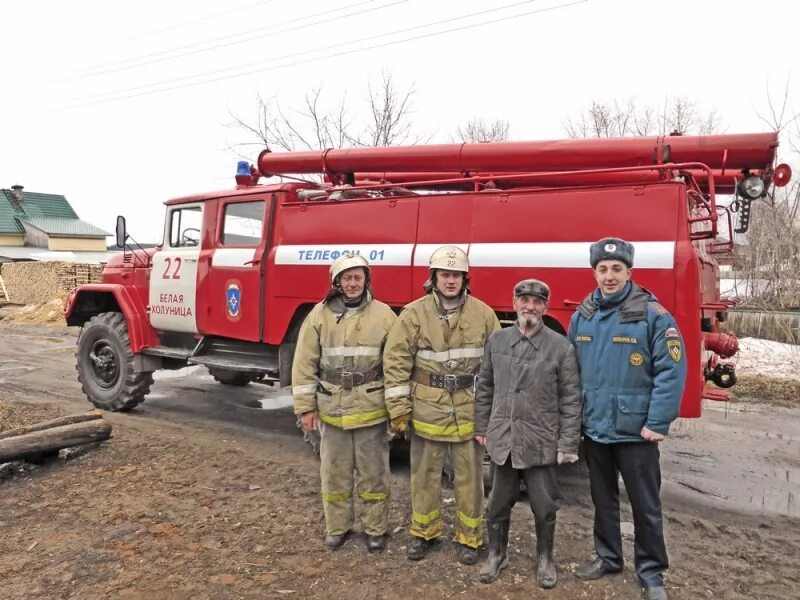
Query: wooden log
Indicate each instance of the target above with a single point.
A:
(55, 438)
(68, 420)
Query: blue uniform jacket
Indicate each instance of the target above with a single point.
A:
(632, 363)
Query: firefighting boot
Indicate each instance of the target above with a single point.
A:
(418, 548)
(334, 542)
(498, 547)
(376, 543)
(546, 575)
(467, 555)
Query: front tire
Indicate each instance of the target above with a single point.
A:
(106, 365)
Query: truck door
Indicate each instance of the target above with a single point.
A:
(173, 280)
(231, 293)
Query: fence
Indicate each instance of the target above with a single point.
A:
(766, 325)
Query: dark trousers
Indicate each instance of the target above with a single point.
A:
(543, 493)
(638, 462)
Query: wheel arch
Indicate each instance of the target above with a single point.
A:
(87, 301)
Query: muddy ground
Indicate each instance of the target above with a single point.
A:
(209, 492)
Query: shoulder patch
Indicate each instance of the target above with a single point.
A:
(672, 333)
(675, 350)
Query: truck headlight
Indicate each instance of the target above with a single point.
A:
(751, 187)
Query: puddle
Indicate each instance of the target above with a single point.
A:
(275, 402)
(184, 372)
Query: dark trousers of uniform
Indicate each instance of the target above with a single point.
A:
(543, 492)
(638, 463)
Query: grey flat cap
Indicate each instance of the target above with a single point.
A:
(532, 287)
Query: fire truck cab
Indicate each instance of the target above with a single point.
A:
(238, 270)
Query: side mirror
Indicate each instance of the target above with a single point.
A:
(122, 234)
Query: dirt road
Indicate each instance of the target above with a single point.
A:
(209, 492)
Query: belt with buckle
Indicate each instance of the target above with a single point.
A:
(451, 382)
(350, 379)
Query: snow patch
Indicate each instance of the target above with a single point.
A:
(768, 358)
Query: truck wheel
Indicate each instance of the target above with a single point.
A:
(228, 377)
(105, 365)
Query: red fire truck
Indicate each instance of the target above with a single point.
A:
(238, 270)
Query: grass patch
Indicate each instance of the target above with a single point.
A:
(781, 392)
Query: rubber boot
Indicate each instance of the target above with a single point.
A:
(498, 549)
(546, 575)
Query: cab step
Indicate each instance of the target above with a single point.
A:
(236, 355)
(168, 352)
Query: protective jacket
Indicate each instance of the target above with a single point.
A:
(632, 363)
(528, 402)
(430, 365)
(337, 364)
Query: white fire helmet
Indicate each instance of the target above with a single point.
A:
(348, 261)
(450, 258)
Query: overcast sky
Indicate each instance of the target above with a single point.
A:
(120, 106)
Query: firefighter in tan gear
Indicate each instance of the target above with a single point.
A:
(431, 361)
(337, 384)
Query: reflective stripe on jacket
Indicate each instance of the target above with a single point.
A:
(353, 344)
(422, 339)
(632, 363)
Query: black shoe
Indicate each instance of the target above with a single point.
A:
(334, 542)
(655, 593)
(418, 548)
(546, 575)
(498, 548)
(376, 543)
(594, 570)
(467, 555)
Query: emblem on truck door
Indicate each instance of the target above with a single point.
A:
(233, 299)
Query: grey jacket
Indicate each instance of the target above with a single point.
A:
(528, 399)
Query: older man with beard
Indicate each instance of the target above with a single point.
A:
(528, 416)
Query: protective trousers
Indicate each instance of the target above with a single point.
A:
(427, 461)
(638, 462)
(357, 457)
(542, 488)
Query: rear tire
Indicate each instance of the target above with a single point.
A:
(228, 377)
(105, 365)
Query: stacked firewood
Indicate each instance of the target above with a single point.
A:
(35, 282)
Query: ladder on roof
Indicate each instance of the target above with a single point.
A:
(3, 289)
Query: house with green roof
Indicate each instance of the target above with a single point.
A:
(45, 221)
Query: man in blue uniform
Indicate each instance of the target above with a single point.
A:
(633, 371)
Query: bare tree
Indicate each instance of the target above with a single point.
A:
(480, 130)
(621, 118)
(389, 110)
(318, 124)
